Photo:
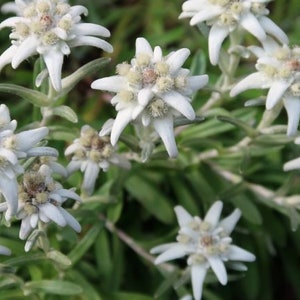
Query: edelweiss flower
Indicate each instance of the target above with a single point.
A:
(152, 90)
(91, 153)
(278, 69)
(4, 251)
(40, 199)
(49, 28)
(12, 148)
(225, 17)
(206, 244)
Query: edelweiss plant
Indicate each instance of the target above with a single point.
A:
(278, 69)
(87, 202)
(50, 29)
(90, 154)
(151, 91)
(226, 18)
(14, 147)
(206, 243)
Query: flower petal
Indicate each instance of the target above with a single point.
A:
(198, 273)
(252, 81)
(164, 128)
(27, 139)
(91, 29)
(251, 24)
(122, 119)
(217, 35)
(237, 253)
(54, 61)
(197, 82)
(213, 214)
(292, 106)
(276, 92)
(112, 84)
(91, 41)
(52, 212)
(271, 28)
(205, 14)
(143, 46)
(229, 222)
(180, 103)
(177, 59)
(218, 267)
(292, 164)
(7, 56)
(71, 221)
(177, 251)
(162, 248)
(9, 189)
(183, 217)
(90, 176)
(23, 51)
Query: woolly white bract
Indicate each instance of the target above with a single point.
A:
(278, 69)
(151, 91)
(49, 28)
(206, 244)
(225, 17)
(92, 153)
(40, 199)
(14, 147)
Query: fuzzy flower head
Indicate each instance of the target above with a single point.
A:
(49, 28)
(41, 199)
(225, 17)
(152, 89)
(205, 243)
(277, 69)
(92, 153)
(13, 147)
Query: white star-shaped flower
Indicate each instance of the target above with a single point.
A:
(14, 147)
(92, 153)
(206, 244)
(278, 69)
(49, 28)
(152, 90)
(40, 199)
(225, 17)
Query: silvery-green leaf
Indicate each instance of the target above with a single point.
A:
(65, 112)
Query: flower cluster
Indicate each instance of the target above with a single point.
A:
(151, 90)
(49, 28)
(206, 244)
(278, 69)
(14, 147)
(40, 198)
(92, 153)
(226, 17)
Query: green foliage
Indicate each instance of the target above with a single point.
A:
(223, 154)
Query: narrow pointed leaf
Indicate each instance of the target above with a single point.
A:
(34, 97)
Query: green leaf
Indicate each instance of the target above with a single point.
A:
(91, 67)
(60, 258)
(150, 197)
(34, 97)
(126, 296)
(198, 65)
(56, 287)
(103, 256)
(85, 243)
(89, 291)
(240, 124)
(65, 112)
(249, 210)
